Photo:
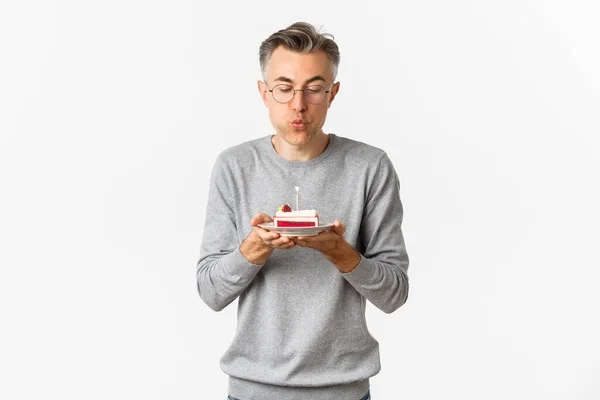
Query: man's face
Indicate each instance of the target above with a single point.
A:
(298, 121)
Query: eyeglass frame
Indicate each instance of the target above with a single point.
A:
(297, 90)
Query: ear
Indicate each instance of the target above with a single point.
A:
(263, 91)
(334, 91)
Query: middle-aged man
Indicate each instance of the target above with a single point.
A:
(301, 329)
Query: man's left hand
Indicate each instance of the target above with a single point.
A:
(333, 245)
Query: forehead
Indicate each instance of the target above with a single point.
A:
(298, 66)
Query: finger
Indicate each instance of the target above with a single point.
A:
(300, 241)
(287, 245)
(282, 242)
(339, 227)
(260, 218)
(269, 237)
(264, 234)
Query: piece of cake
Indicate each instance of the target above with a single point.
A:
(286, 218)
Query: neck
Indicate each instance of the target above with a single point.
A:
(303, 152)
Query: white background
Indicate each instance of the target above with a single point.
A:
(112, 113)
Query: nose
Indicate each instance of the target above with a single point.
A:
(298, 102)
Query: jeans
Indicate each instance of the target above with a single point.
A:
(365, 397)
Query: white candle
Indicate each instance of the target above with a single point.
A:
(297, 190)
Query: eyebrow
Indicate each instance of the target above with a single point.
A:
(313, 79)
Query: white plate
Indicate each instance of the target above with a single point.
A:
(296, 230)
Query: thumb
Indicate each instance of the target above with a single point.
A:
(260, 218)
(339, 227)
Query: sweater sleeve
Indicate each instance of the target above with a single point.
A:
(381, 275)
(222, 272)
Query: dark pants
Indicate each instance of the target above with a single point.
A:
(365, 397)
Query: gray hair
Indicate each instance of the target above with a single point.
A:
(300, 37)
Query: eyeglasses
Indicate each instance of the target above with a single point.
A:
(313, 94)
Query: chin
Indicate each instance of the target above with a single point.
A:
(298, 137)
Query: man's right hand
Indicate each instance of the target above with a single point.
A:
(259, 245)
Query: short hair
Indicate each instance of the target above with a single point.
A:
(300, 37)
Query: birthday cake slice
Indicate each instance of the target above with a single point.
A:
(286, 218)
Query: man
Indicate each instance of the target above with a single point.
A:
(301, 330)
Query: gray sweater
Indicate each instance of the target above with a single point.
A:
(301, 329)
